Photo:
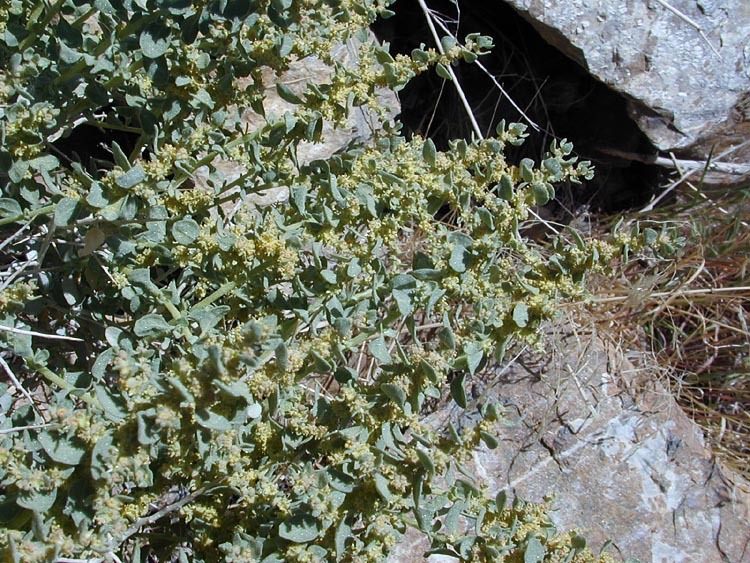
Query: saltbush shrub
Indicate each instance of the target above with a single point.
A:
(189, 376)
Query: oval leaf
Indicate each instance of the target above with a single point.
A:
(381, 486)
(151, 325)
(211, 420)
(131, 178)
(429, 152)
(379, 350)
(302, 528)
(9, 207)
(185, 231)
(394, 393)
(61, 449)
(535, 551)
(37, 501)
(65, 212)
(521, 315)
(457, 390)
(154, 41)
(442, 71)
(459, 260)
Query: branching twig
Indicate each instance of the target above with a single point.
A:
(497, 84)
(147, 520)
(13, 237)
(676, 163)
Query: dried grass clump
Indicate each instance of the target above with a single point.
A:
(695, 312)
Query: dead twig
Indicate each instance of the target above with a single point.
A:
(29, 427)
(497, 84)
(39, 334)
(691, 22)
(678, 164)
(687, 174)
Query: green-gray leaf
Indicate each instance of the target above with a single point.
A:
(287, 94)
(505, 188)
(403, 302)
(457, 390)
(521, 314)
(451, 518)
(553, 166)
(526, 168)
(426, 460)
(131, 178)
(474, 355)
(38, 501)
(379, 350)
(442, 71)
(302, 528)
(102, 458)
(394, 393)
(9, 207)
(501, 500)
(151, 325)
(185, 231)
(535, 551)
(381, 486)
(489, 439)
(541, 194)
(113, 406)
(460, 259)
(429, 152)
(211, 420)
(68, 451)
(343, 532)
(65, 212)
(154, 41)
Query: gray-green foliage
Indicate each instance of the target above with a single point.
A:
(246, 383)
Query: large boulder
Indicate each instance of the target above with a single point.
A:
(683, 66)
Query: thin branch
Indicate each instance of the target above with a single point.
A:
(29, 427)
(147, 520)
(13, 237)
(686, 19)
(39, 334)
(688, 292)
(17, 273)
(464, 101)
(507, 96)
(16, 383)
